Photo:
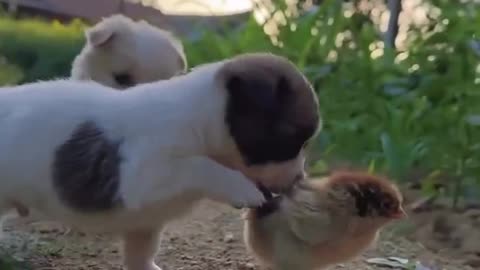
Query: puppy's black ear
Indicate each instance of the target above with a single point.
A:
(283, 90)
(252, 92)
(263, 94)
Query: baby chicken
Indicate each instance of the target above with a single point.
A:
(321, 222)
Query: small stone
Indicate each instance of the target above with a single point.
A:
(472, 214)
(186, 257)
(228, 238)
(473, 262)
(92, 255)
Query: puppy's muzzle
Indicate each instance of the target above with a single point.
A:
(285, 189)
(269, 192)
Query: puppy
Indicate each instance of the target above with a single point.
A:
(128, 162)
(321, 222)
(121, 53)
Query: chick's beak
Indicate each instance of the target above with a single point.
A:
(400, 214)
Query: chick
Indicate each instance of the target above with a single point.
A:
(322, 222)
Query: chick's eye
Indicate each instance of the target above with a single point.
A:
(123, 79)
(387, 205)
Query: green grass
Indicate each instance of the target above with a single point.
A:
(9, 263)
(32, 49)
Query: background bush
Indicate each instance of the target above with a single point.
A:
(412, 110)
(32, 50)
(415, 110)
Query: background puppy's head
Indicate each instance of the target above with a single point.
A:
(271, 113)
(121, 53)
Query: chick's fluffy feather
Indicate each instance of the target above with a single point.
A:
(322, 222)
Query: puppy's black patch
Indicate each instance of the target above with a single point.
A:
(257, 119)
(370, 200)
(86, 170)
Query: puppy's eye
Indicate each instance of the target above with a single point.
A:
(123, 79)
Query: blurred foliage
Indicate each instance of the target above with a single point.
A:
(33, 50)
(7, 262)
(398, 112)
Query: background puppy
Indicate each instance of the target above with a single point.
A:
(121, 53)
(130, 161)
(322, 222)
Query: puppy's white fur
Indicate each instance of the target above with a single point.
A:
(165, 139)
(119, 46)
(174, 140)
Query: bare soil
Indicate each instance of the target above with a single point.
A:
(210, 238)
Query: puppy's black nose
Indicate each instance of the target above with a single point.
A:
(266, 192)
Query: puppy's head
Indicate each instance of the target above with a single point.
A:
(121, 53)
(271, 113)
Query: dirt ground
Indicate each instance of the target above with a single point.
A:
(209, 238)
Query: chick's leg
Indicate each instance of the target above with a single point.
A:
(140, 248)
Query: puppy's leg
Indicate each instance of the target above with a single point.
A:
(140, 248)
(4, 211)
(22, 210)
(221, 183)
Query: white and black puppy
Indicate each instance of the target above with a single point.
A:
(122, 53)
(127, 162)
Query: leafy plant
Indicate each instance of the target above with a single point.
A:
(37, 50)
(9, 263)
(391, 111)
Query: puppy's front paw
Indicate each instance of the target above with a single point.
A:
(154, 267)
(218, 182)
(244, 193)
(151, 266)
